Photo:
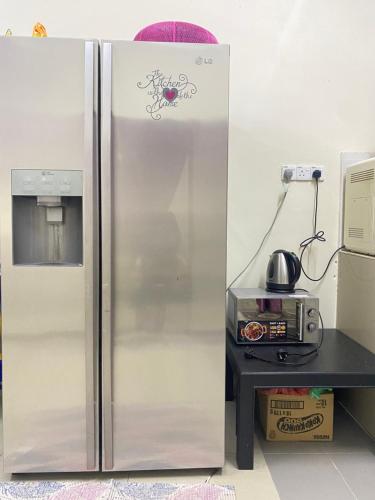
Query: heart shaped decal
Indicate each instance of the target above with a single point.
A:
(170, 94)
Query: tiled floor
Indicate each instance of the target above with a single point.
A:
(343, 469)
(256, 484)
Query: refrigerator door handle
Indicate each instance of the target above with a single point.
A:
(89, 252)
(106, 119)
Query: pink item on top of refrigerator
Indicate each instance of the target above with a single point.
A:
(175, 31)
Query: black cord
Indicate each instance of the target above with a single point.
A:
(319, 236)
(322, 332)
(250, 355)
(316, 203)
(314, 352)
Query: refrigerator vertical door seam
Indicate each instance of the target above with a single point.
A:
(106, 181)
(89, 255)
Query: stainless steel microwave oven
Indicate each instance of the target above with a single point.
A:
(257, 316)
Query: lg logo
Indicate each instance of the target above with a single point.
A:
(204, 60)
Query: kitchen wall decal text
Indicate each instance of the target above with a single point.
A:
(166, 91)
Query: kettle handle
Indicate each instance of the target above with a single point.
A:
(296, 265)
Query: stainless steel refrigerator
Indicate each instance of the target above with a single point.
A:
(144, 389)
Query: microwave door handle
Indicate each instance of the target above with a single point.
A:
(106, 169)
(301, 315)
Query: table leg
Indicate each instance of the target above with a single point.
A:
(228, 382)
(245, 423)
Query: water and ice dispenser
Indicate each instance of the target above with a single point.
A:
(47, 217)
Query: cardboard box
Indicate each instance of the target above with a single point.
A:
(296, 418)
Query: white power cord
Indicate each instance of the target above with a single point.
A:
(287, 176)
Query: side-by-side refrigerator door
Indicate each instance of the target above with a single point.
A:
(49, 253)
(164, 194)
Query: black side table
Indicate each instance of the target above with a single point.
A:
(341, 363)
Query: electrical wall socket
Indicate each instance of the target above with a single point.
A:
(302, 172)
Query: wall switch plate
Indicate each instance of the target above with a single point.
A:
(302, 172)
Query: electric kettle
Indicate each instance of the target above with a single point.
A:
(283, 272)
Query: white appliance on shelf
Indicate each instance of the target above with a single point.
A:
(145, 389)
(359, 207)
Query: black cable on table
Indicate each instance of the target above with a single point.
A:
(310, 354)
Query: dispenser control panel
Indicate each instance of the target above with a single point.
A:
(47, 183)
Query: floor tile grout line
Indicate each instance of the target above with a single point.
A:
(293, 453)
(325, 453)
(363, 429)
(211, 475)
(343, 478)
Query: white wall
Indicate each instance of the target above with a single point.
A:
(302, 90)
